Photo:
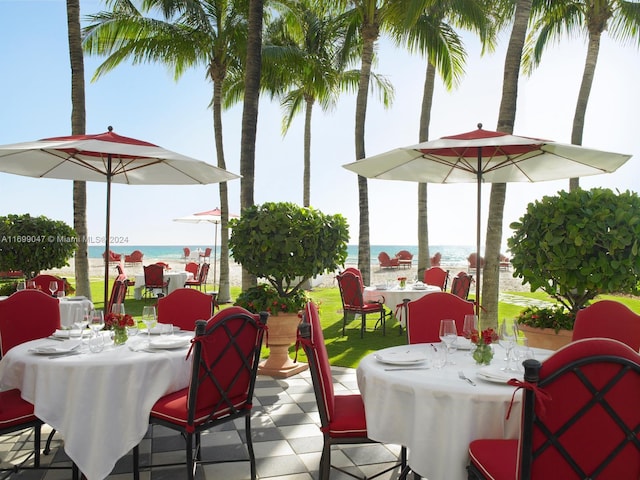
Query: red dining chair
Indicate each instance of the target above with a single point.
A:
(206, 255)
(27, 315)
(201, 280)
(580, 419)
(436, 276)
(225, 355)
(154, 280)
(342, 417)
(43, 280)
(461, 284)
(192, 267)
(351, 292)
(42, 312)
(425, 313)
(183, 307)
(608, 319)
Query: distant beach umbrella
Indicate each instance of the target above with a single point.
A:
(210, 216)
(486, 156)
(111, 158)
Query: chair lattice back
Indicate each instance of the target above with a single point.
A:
(225, 364)
(153, 276)
(351, 291)
(461, 284)
(582, 420)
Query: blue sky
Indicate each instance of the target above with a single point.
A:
(146, 103)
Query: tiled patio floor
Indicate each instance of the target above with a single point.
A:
(287, 442)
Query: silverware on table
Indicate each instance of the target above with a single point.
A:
(462, 376)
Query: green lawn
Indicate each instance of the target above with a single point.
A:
(348, 350)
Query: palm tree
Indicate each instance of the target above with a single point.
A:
(506, 120)
(305, 63)
(212, 33)
(250, 114)
(432, 34)
(621, 20)
(78, 125)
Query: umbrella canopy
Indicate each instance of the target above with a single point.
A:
(210, 216)
(111, 158)
(486, 156)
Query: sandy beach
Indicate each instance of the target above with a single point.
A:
(378, 275)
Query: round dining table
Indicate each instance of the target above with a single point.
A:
(394, 296)
(432, 411)
(98, 402)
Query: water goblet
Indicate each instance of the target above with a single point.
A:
(448, 334)
(118, 309)
(96, 321)
(149, 318)
(21, 286)
(53, 287)
(507, 339)
(80, 320)
(96, 343)
(469, 326)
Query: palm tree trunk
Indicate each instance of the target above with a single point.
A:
(369, 36)
(78, 126)
(306, 176)
(424, 260)
(506, 119)
(583, 95)
(224, 295)
(250, 114)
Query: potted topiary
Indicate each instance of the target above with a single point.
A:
(285, 245)
(574, 246)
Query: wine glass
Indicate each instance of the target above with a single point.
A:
(507, 339)
(149, 319)
(96, 321)
(53, 287)
(81, 319)
(21, 286)
(448, 334)
(469, 326)
(118, 309)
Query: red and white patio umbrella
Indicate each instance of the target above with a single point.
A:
(486, 156)
(210, 216)
(111, 158)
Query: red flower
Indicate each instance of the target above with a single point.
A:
(117, 320)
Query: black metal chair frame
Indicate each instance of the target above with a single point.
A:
(532, 375)
(202, 371)
(353, 303)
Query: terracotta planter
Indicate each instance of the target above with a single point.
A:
(546, 337)
(281, 334)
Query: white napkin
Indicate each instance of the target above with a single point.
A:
(170, 341)
(63, 347)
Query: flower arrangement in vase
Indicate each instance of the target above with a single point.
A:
(403, 281)
(118, 323)
(483, 353)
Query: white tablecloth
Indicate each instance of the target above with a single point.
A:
(394, 296)
(176, 280)
(69, 306)
(434, 413)
(98, 402)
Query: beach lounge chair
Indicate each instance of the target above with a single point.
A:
(405, 258)
(133, 258)
(387, 262)
(113, 257)
(435, 260)
(473, 262)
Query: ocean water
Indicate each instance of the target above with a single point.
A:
(452, 255)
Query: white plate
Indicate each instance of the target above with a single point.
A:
(58, 348)
(169, 342)
(492, 373)
(75, 299)
(401, 355)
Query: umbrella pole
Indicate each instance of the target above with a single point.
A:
(478, 226)
(106, 240)
(215, 253)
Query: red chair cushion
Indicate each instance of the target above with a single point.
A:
(348, 420)
(496, 459)
(14, 410)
